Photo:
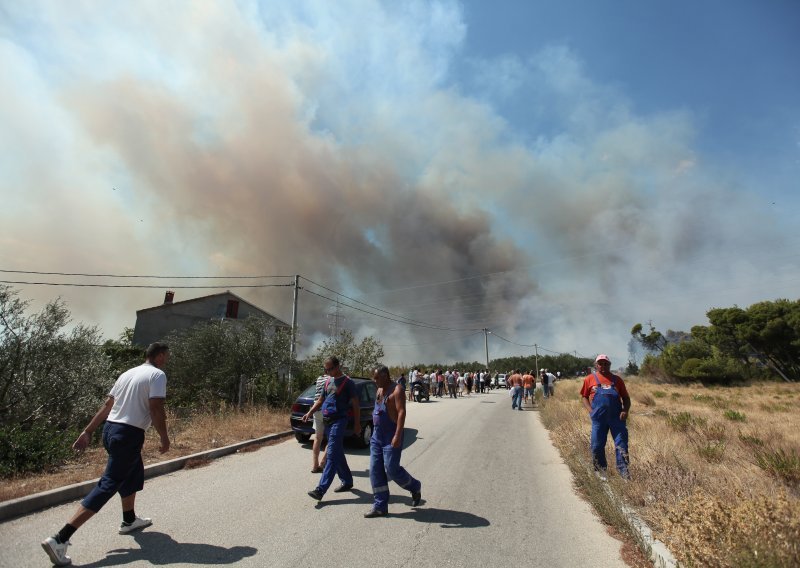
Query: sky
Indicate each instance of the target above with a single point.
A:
(554, 172)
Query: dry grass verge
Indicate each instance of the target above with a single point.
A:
(188, 435)
(716, 471)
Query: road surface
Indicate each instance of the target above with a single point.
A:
(495, 493)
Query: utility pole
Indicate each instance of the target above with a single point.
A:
(486, 344)
(294, 329)
(536, 347)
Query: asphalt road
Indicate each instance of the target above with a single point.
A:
(495, 493)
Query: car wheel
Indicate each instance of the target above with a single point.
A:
(302, 438)
(366, 435)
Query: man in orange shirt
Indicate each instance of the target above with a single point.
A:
(606, 399)
(528, 383)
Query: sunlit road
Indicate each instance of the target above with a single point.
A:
(495, 493)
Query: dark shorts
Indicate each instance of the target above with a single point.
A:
(124, 472)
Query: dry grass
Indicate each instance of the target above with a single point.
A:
(188, 436)
(716, 471)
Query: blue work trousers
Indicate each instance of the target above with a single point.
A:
(335, 462)
(384, 466)
(602, 422)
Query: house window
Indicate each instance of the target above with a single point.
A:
(232, 311)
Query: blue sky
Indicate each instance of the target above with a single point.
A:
(731, 64)
(554, 171)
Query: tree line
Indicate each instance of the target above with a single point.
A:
(761, 341)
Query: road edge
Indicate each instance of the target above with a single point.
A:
(31, 503)
(659, 554)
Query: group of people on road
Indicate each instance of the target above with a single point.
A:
(336, 394)
(440, 383)
(137, 400)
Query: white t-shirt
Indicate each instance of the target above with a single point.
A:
(132, 393)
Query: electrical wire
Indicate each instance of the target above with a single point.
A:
(436, 342)
(79, 285)
(417, 324)
(138, 275)
(410, 320)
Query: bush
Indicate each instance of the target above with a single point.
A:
(735, 416)
(683, 421)
(780, 463)
(32, 450)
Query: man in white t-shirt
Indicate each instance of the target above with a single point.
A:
(135, 401)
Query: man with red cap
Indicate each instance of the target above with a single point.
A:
(606, 400)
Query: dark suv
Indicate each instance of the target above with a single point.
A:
(366, 394)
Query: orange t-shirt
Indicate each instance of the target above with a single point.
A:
(589, 386)
(527, 381)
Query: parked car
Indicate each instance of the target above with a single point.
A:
(500, 381)
(366, 394)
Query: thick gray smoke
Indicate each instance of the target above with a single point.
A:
(214, 139)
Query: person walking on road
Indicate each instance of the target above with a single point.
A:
(386, 446)
(606, 400)
(515, 380)
(338, 392)
(551, 383)
(451, 384)
(135, 401)
(319, 429)
(528, 383)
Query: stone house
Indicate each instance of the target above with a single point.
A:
(154, 324)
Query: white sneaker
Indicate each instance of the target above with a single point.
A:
(57, 551)
(137, 524)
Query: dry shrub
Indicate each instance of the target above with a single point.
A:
(696, 476)
(189, 433)
(708, 531)
(645, 399)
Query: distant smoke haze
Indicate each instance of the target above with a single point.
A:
(210, 140)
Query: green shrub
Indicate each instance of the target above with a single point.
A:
(683, 421)
(660, 394)
(712, 452)
(780, 463)
(749, 440)
(32, 450)
(735, 416)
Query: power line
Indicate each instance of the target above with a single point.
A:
(512, 342)
(537, 346)
(417, 324)
(436, 342)
(78, 285)
(138, 275)
(410, 321)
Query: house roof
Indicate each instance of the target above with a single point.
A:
(227, 294)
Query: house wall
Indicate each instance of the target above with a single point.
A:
(155, 324)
